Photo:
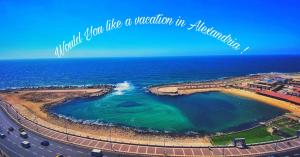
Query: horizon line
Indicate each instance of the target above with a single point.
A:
(184, 56)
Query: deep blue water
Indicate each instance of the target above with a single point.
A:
(134, 107)
(141, 72)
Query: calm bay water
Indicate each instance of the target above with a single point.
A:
(130, 105)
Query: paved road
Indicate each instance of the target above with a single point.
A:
(11, 144)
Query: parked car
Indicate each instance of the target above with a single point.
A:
(2, 136)
(45, 143)
(24, 135)
(59, 155)
(26, 144)
(96, 153)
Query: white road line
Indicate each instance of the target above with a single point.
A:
(41, 148)
(11, 150)
(80, 151)
(69, 149)
(50, 151)
(34, 153)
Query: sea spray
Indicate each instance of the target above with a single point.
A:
(122, 87)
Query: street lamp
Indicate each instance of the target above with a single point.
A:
(36, 122)
(66, 127)
(111, 146)
(165, 152)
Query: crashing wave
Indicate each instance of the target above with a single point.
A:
(122, 87)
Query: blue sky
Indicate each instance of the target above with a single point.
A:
(32, 29)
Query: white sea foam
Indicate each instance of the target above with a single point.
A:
(122, 87)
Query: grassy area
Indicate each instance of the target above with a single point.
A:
(255, 135)
(286, 127)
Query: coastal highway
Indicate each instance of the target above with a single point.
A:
(11, 144)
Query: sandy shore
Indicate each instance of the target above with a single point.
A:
(32, 104)
(176, 90)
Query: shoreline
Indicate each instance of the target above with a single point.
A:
(33, 103)
(227, 88)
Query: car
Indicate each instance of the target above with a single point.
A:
(59, 155)
(45, 143)
(26, 144)
(96, 153)
(11, 129)
(24, 135)
(21, 129)
(2, 136)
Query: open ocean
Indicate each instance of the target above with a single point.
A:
(130, 105)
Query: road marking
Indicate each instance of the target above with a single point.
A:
(69, 149)
(60, 147)
(79, 151)
(34, 153)
(11, 150)
(41, 148)
(50, 151)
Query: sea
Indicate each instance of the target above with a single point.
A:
(130, 105)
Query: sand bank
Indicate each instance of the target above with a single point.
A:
(177, 90)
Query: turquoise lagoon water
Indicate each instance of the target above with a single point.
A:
(201, 113)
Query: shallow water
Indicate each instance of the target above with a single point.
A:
(204, 112)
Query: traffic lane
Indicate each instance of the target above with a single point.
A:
(55, 147)
(13, 141)
(12, 150)
(35, 140)
(38, 150)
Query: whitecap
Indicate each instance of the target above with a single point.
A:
(122, 87)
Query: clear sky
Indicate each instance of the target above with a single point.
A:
(33, 28)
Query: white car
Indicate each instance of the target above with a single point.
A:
(2, 136)
(25, 144)
(24, 135)
(96, 153)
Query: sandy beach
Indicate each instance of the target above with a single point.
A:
(173, 91)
